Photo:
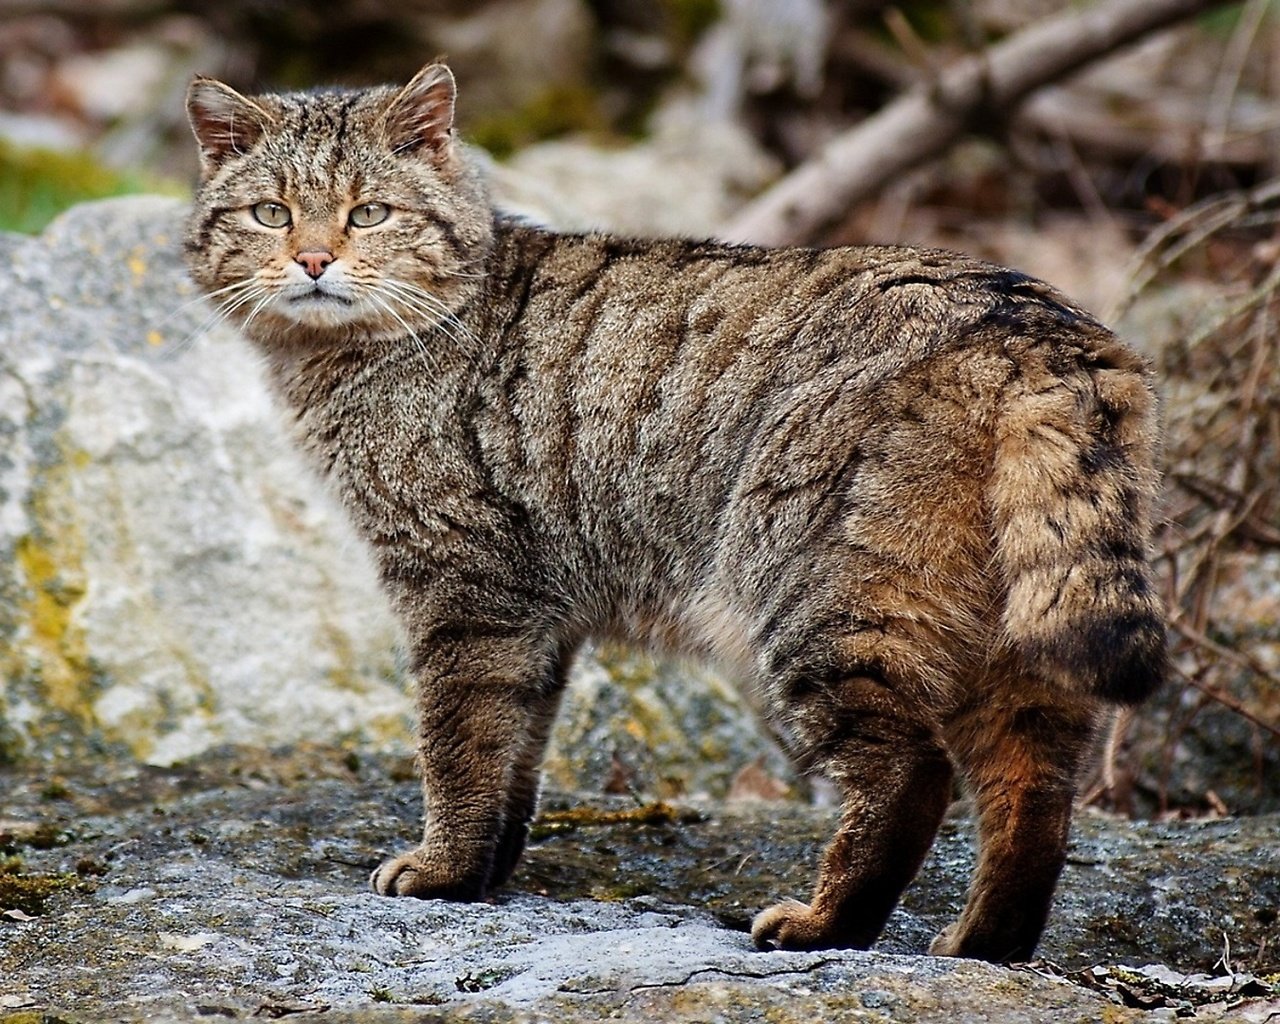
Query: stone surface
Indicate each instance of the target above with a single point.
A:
(686, 179)
(171, 578)
(237, 888)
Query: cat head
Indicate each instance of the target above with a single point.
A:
(335, 212)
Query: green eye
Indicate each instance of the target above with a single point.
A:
(272, 215)
(367, 215)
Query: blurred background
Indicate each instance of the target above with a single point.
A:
(1145, 186)
(91, 95)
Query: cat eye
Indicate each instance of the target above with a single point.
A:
(367, 215)
(272, 215)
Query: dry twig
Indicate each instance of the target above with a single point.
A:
(981, 90)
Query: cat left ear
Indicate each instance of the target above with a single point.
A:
(420, 118)
(224, 122)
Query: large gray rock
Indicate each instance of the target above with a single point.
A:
(238, 888)
(171, 578)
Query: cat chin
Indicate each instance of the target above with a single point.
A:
(322, 313)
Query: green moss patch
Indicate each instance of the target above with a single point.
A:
(660, 813)
(37, 184)
(29, 893)
(559, 110)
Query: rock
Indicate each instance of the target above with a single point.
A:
(172, 578)
(639, 725)
(236, 887)
(500, 51)
(686, 179)
(109, 84)
(39, 131)
(169, 577)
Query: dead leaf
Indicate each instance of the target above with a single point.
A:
(753, 782)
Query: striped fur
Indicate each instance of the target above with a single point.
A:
(904, 495)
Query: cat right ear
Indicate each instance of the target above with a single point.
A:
(224, 122)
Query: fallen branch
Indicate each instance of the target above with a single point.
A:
(983, 90)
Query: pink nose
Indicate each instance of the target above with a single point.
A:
(315, 261)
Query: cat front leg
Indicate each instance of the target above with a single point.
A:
(485, 705)
(522, 794)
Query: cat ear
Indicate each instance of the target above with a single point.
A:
(420, 118)
(224, 122)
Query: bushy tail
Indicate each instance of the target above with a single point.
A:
(1072, 493)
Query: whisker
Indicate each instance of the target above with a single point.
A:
(422, 300)
(432, 367)
(221, 311)
(415, 302)
(384, 294)
(440, 317)
(266, 298)
(439, 322)
(247, 282)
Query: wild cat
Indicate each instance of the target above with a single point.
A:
(903, 494)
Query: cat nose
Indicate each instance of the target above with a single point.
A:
(315, 261)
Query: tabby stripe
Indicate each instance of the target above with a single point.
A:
(908, 279)
(205, 232)
(447, 228)
(521, 303)
(231, 252)
(340, 131)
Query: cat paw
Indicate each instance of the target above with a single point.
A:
(790, 925)
(992, 945)
(418, 875)
(945, 943)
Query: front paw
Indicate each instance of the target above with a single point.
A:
(426, 877)
(790, 925)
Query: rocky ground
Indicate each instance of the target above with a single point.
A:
(236, 888)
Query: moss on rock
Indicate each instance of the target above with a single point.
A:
(30, 894)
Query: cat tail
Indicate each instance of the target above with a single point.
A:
(1072, 495)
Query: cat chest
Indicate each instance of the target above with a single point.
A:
(399, 474)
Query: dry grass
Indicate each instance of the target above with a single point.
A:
(1222, 384)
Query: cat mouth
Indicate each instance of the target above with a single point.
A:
(316, 295)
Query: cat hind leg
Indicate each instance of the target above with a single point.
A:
(1020, 759)
(895, 781)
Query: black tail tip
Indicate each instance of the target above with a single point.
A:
(1123, 660)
